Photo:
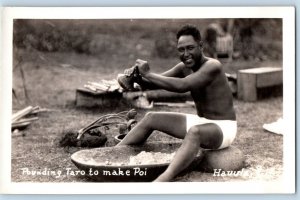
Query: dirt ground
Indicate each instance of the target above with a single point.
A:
(51, 80)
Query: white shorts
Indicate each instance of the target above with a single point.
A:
(228, 127)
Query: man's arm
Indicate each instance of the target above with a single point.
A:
(201, 78)
(176, 71)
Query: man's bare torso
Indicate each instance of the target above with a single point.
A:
(214, 101)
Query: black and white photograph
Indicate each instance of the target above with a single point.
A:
(121, 97)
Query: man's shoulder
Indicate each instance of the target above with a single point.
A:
(213, 62)
(212, 66)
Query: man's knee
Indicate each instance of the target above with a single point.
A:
(209, 135)
(194, 132)
(150, 116)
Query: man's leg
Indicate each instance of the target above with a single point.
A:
(207, 135)
(173, 124)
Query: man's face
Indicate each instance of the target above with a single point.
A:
(190, 52)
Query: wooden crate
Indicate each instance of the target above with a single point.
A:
(250, 81)
(88, 98)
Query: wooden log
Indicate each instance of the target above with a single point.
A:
(98, 86)
(21, 125)
(34, 109)
(179, 105)
(90, 87)
(159, 95)
(40, 110)
(21, 113)
(26, 120)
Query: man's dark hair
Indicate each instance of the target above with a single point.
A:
(189, 30)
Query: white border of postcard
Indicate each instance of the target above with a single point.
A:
(287, 185)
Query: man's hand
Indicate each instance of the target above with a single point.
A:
(143, 67)
(129, 71)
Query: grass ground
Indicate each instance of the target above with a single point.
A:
(51, 80)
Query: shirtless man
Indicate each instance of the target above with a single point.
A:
(214, 126)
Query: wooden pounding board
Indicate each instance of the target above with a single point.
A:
(94, 160)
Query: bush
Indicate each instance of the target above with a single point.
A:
(97, 37)
(165, 46)
(46, 36)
